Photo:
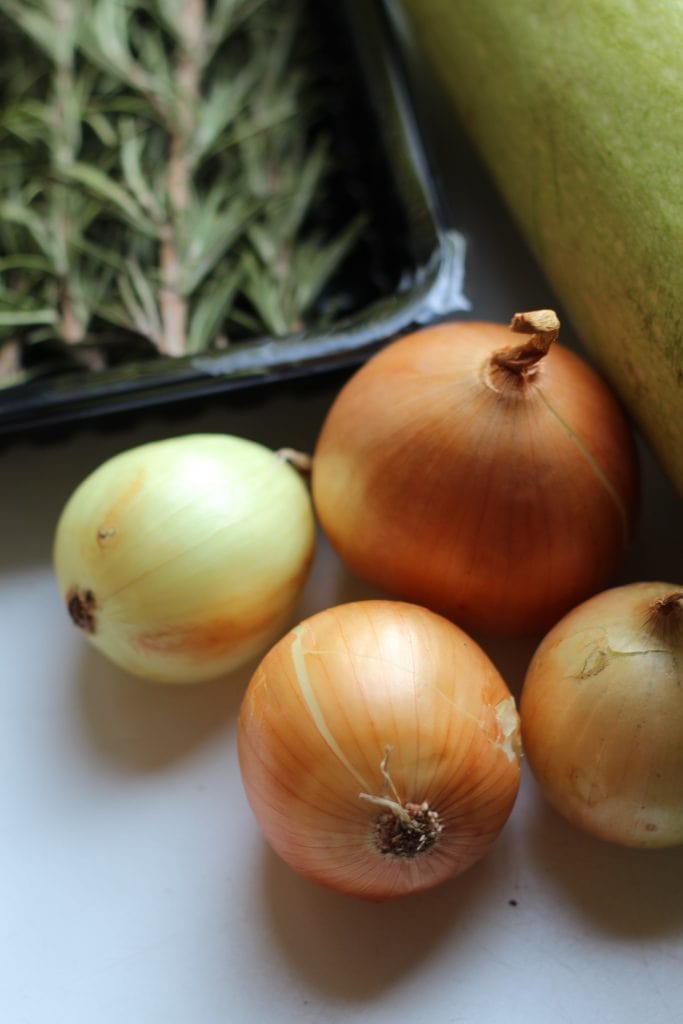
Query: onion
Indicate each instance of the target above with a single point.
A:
(602, 715)
(181, 559)
(379, 749)
(493, 482)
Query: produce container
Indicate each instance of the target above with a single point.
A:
(406, 271)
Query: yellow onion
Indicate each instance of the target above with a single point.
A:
(602, 715)
(492, 480)
(181, 559)
(379, 749)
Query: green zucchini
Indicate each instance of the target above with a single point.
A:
(576, 107)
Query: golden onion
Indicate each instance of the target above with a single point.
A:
(602, 715)
(492, 480)
(379, 749)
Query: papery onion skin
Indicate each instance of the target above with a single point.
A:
(370, 684)
(499, 501)
(181, 559)
(602, 716)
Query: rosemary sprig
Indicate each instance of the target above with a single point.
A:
(161, 167)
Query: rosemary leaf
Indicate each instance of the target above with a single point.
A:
(40, 20)
(210, 311)
(227, 16)
(141, 188)
(23, 318)
(140, 301)
(268, 298)
(24, 261)
(316, 260)
(14, 211)
(105, 42)
(112, 193)
(224, 102)
(208, 230)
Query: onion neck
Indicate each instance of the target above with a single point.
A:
(516, 365)
(666, 615)
(301, 461)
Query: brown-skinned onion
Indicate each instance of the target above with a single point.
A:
(379, 749)
(493, 480)
(602, 715)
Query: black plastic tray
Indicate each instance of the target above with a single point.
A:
(425, 283)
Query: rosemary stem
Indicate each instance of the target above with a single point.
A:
(65, 136)
(173, 304)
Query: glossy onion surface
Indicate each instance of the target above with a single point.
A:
(498, 499)
(362, 713)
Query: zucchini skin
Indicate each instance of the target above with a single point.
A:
(576, 108)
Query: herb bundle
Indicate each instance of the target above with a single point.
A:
(161, 164)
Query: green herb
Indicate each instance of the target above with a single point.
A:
(161, 165)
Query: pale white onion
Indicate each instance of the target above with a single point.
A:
(183, 558)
